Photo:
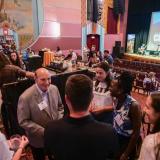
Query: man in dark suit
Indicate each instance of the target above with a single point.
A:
(37, 106)
(79, 136)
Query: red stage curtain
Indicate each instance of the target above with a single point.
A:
(112, 21)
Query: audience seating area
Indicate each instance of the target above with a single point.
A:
(138, 66)
(139, 70)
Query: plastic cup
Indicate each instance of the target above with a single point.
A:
(15, 141)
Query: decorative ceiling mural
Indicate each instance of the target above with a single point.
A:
(17, 16)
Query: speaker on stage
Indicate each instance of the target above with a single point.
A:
(118, 52)
(117, 43)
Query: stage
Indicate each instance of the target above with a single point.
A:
(143, 58)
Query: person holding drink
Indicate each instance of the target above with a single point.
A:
(6, 152)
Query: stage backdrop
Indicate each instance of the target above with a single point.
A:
(139, 25)
(154, 33)
(139, 18)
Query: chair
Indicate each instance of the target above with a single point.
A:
(138, 85)
(10, 96)
(141, 76)
(34, 63)
(149, 87)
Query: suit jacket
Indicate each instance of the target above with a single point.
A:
(34, 120)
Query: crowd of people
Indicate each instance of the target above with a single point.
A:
(10, 72)
(104, 120)
(92, 57)
(12, 63)
(81, 134)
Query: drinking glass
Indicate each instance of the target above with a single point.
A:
(15, 141)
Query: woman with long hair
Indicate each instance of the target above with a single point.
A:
(10, 73)
(93, 60)
(151, 145)
(102, 106)
(15, 59)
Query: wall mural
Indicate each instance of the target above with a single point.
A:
(17, 15)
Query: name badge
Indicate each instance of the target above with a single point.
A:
(118, 120)
(42, 105)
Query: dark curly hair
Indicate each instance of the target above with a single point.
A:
(17, 62)
(125, 82)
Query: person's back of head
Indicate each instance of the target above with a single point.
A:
(79, 91)
(106, 51)
(58, 49)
